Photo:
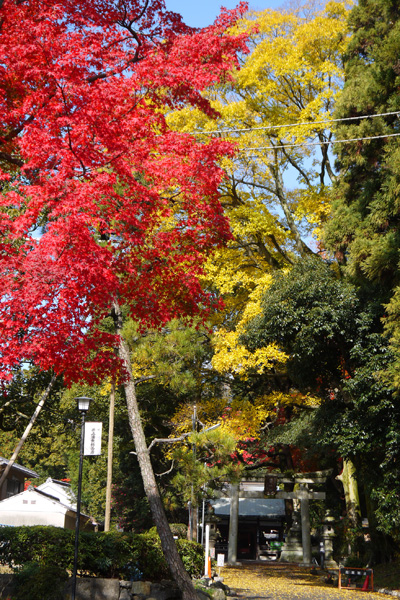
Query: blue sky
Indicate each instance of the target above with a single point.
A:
(203, 12)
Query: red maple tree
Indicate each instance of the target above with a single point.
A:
(103, 209)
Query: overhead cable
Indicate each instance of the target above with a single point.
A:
(372, 137)
(292, 124)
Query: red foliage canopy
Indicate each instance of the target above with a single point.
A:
(99, 199)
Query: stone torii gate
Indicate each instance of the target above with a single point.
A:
(267, 488)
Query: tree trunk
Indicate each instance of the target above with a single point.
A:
(110, 445)
(170, 551)
(31, 423)
(348, 477)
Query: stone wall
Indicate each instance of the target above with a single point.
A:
(91, 588)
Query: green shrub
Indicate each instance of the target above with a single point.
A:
(155, 567)
(111, 554)
(149, 557)
(40, 544)
(192, 556)
(40, 582)
(105, 554)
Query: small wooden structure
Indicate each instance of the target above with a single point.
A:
(15, 480)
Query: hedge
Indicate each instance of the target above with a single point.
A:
(32, 582)
(112, 554)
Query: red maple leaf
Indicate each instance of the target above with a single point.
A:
(100, 199)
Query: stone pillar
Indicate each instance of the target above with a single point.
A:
(233, 524)
(305, 526)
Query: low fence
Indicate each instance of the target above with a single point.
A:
(356, 579)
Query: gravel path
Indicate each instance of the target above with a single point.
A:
(253, 581)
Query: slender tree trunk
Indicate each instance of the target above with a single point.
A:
(171, 554)
(107, 517)
(31, 423)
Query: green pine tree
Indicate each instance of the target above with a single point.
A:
(364, 231)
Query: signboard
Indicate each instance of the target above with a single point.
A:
(92, 440)
(356, 579)
(270, 485)
(220, 560)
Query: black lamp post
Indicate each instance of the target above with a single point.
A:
(83, 406)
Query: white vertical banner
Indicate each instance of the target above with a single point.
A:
(92, 442)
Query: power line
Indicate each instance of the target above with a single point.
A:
(292, 124)
(372, 137)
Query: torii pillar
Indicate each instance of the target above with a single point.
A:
(305, 524)
(233, 524)
(303, 494)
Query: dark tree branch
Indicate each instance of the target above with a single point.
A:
(326, 164)
(296, 166)
(126, 24)
(11, 159)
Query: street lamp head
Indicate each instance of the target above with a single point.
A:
(83, 403)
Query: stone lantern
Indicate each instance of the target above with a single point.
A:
(212, 521)
(328, 533)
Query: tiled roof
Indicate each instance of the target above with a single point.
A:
(27, 472)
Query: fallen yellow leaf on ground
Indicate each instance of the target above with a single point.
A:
(279, 581)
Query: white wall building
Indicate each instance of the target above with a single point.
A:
(36, 507)
(60, 490)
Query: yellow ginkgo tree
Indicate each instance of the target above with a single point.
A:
(278, 110)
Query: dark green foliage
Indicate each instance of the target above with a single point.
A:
(174, 368)
(192, 556)
(44, 545)
(151, 560)
(364, 234)
(112, 554)
(312, 315)
(364, 231)
(387, 511)
(40, 582)
(332, 332)
(19, 398)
